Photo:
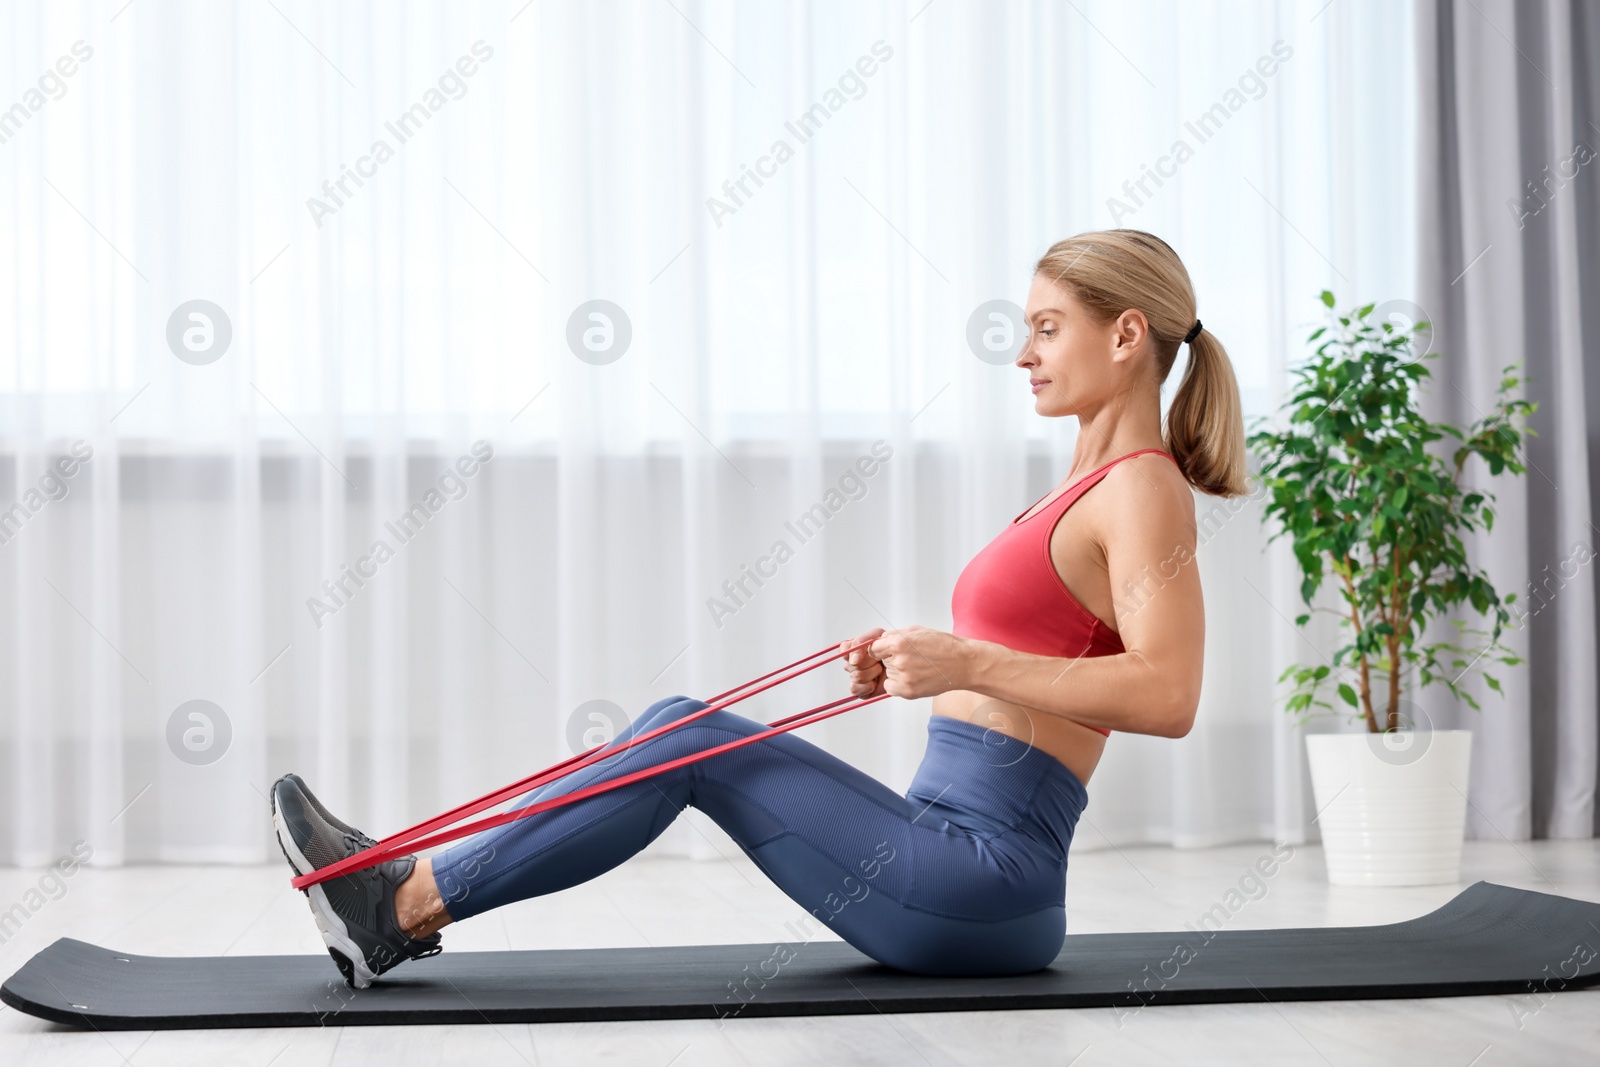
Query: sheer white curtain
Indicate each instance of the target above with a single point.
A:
(431, 518)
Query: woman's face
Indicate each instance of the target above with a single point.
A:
(1074, 361)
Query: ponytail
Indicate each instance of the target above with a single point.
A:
(1113, 270)
(1205, 426)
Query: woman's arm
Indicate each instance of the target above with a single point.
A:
(1125, 692)
(1152, 688)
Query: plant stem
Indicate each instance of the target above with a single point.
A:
(1393, 718)
(1366, 676)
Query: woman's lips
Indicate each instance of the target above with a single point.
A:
(1037, 383)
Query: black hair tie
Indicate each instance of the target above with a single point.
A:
(1194, 331)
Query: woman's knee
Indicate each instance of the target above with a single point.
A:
(663, 709)
(674, 708)
(668, 710)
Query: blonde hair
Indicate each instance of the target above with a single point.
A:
(1110, 271)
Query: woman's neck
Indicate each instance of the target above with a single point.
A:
(1116, 429)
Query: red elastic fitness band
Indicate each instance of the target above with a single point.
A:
(430, 833)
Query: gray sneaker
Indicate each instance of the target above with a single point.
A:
(356, 912)
(327, 816)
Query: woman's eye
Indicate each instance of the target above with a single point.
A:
(1047, 333)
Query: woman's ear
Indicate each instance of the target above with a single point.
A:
(1128, 333)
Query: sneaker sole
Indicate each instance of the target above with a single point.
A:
(335, 935)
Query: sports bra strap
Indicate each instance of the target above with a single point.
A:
(1141, 452)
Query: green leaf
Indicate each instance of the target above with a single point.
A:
(1347, 694)
(1327, 298)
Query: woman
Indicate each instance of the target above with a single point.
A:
(1082, 617)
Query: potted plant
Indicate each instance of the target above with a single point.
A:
(1367, 504)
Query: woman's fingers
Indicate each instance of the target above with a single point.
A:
(866, 671)
(866, 682)
(867, 674)
(863, 656)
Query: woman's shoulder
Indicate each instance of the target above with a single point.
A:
(1147, 488)
(1153, 471)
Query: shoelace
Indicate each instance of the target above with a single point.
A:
(358, 842)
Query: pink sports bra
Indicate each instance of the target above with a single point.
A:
(1011, 594)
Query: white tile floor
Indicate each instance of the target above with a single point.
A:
(250, 910)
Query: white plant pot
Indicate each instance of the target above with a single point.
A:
(1392, 806)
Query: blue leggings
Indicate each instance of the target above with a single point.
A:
(964, 875)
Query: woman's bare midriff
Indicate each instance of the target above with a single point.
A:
(1072, 743)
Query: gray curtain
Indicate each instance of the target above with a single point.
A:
(1509, 267)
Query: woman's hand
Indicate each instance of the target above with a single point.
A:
(866, 671)
(919, 662)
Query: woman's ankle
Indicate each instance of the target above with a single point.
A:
(418, 907)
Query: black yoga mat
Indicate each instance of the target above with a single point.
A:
(1489, 939)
